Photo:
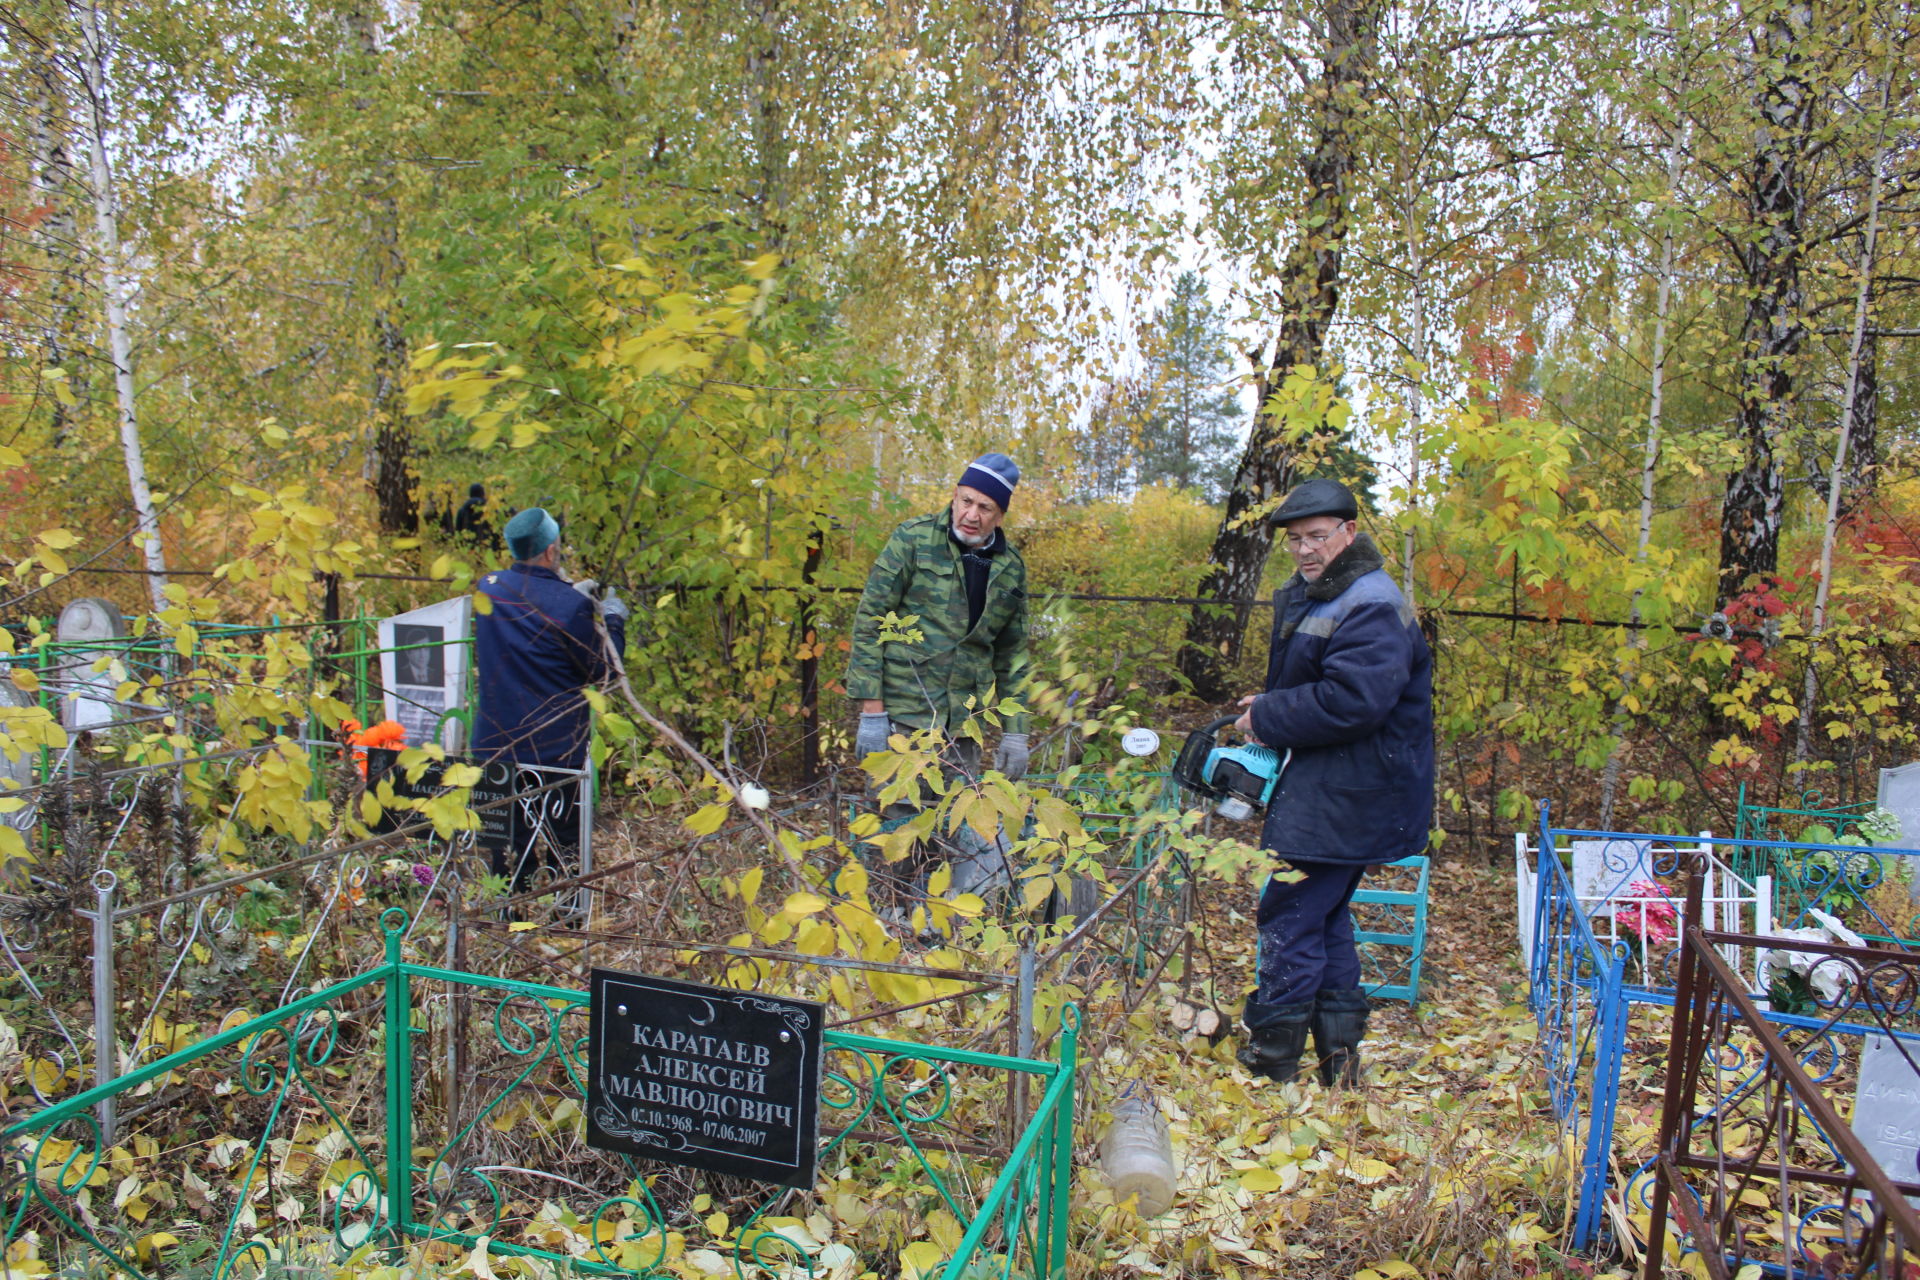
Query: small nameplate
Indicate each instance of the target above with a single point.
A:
(709, 1077)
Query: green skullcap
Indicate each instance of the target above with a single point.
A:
(531, 532)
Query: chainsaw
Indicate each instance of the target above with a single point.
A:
(1240, 780)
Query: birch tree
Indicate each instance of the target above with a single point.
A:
(114, 285)
(1843, 447)
(1307, 291)
(1773, 329)
(54, 184)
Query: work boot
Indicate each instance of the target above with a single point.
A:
(1276, 1037)
(1339, 1024)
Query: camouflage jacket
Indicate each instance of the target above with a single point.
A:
(926, 684)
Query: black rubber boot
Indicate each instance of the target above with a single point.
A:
(1339, 1024)
(1276, 1037)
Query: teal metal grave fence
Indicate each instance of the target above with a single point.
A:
(1839, 879)
(270, 1143)
(1390, 926)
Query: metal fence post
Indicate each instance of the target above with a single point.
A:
(1609, 1042)
(1023, 1045)
(1061, 1153)
(106, 1054)
(456, 1020)
(1022, 1035)
(399, 1014)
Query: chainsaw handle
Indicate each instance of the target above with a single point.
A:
(1221, 723)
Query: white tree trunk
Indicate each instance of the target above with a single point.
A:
(1803, 740)
(51, 174)
(114, 284)
(1416, 392)
(1649, 465)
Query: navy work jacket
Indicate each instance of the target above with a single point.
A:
(535, 651)
(1350, 693)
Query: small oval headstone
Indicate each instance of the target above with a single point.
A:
(90, 618)
(87, 621)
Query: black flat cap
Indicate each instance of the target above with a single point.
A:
(1317, 497)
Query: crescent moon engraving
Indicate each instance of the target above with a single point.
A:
(712, 1013)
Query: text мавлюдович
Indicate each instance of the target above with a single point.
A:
(710, 1077)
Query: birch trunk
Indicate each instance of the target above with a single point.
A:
(1773, 328)
(113, 281)
(1649, 463)
(51, 177)
(769, 122)
(1860, 480)
(1803, 740)
(1310, 293)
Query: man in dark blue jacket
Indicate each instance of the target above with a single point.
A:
(536, 649)
(1349, 704)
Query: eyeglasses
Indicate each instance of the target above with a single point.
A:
(1295, 541)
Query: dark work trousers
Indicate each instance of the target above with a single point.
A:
(1306, 933)
(904, 883)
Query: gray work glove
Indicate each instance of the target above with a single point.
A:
(872, 737)
(614, 607)
(586, 586)
(1011, 756)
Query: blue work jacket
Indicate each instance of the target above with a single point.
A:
(535, 651)
(1350, 693)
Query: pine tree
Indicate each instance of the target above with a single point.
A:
(1108, 447)
(1188, 437)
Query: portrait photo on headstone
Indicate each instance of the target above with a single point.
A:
(418, 659)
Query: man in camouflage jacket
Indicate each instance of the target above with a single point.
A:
(957, 573)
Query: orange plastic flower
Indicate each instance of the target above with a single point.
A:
(388, 733)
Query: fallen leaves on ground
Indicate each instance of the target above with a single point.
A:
(1446, 1162)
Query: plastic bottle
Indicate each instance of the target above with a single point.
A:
(1136, 1152)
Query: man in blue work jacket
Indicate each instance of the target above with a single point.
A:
(1349, 704)
(536, 649)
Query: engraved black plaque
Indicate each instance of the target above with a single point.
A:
(710, 1077)
(517, 808)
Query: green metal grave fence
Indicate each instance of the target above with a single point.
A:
(1153, 910)
(1160, 904)
(471, 1145)
(1837, 879)
(225, 652)
(225, 649)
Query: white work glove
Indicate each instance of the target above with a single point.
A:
(872, 737)
(1011, 756)
(614, 607)
(586, 586)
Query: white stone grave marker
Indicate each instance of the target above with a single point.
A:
(1900, 796)
(88, 619)
(1886, 1107)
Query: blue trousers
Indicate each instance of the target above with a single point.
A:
(1306, 934)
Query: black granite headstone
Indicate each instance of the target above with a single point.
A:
(516, 807)
(710, 1077)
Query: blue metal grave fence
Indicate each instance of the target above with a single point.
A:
(1574, 990)
(262, 1144)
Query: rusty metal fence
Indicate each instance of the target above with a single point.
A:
(1756, 1163)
